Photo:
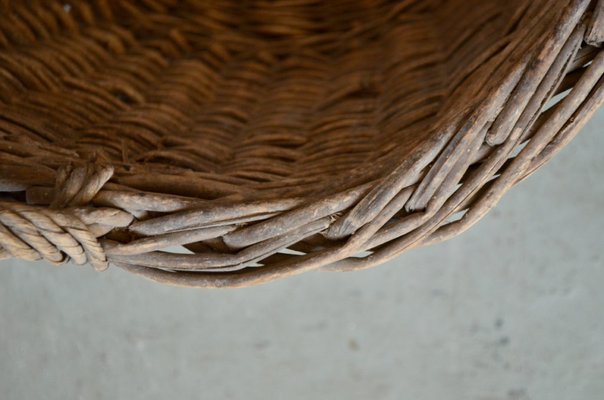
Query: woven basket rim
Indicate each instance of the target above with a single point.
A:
(83, 204)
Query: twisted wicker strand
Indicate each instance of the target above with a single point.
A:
(52, 234)
(30, 235)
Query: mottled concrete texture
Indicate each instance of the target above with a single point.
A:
(512, 310)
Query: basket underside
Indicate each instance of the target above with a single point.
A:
(272, 138)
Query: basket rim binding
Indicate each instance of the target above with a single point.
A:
(450, 182)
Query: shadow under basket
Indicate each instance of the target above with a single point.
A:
(230, 143)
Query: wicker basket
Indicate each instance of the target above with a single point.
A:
(269, 138)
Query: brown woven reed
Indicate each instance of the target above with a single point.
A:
(271, 138)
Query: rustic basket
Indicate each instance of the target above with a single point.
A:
(268, 138)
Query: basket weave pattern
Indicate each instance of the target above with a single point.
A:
(273, 138)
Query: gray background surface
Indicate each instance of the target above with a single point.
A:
(512, 310)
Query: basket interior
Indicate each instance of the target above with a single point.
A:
(246, 97)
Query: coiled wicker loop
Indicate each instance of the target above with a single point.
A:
(237, 143)
(77, 186)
